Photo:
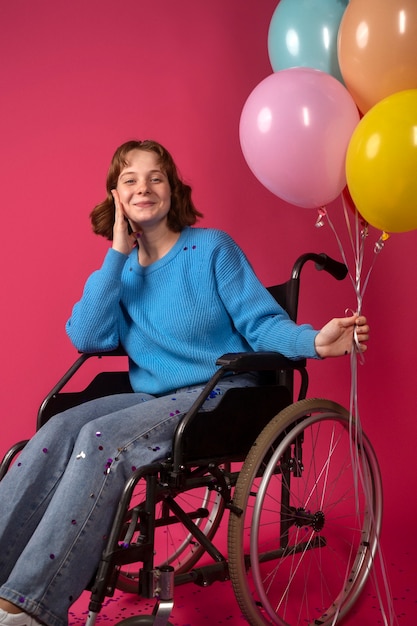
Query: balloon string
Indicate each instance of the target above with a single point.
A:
(356, 250)
(361, 477)
(358, 253)
(323, 213)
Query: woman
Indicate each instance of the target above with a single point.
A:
(175, 298)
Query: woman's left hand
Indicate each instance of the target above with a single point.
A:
(341, 335)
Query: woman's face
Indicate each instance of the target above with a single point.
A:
(144, 190)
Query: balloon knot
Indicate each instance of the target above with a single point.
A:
(380, 243)
(365, 229)
(321, 214)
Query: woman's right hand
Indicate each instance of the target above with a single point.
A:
(122, 241)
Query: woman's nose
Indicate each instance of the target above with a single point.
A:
(142, 186)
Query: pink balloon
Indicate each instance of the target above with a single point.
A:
(295, 128)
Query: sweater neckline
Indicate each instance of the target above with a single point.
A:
(167, 258)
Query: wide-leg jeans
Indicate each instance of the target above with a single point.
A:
(58, 500)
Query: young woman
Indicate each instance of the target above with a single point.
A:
(176, 298)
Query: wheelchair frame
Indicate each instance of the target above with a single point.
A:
(259, 470)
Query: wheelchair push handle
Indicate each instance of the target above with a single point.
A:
(322, 262)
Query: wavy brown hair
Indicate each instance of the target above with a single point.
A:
(182, 212)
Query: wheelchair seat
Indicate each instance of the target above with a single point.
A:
(228, 431)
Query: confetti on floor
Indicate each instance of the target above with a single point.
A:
(196, 606)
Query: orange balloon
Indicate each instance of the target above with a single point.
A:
(377, 49)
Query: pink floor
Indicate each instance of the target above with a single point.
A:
(195, 606)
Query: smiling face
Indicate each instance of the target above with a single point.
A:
(144, 190)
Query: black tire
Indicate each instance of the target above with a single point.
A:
(140, 620)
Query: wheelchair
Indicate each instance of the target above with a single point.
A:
(298, 480)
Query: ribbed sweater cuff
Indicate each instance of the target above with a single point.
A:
(114, 263)
(305, 343)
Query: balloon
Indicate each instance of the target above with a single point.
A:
(304, 33)
(348, 201)
(381, 163)
(294, 131)
(377, 49)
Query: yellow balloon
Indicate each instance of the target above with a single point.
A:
(381, 163)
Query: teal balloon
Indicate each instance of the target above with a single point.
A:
(304, 33)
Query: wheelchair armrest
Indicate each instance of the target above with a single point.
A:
(119, 351)
(258, 361)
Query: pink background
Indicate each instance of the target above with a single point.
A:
(77, 79)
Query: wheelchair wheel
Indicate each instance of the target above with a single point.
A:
(310, 502)
(174, 544)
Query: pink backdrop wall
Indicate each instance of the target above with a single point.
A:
(77, 79)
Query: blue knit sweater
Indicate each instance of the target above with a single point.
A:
(175, 317)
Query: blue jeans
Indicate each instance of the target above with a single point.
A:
(59, 498)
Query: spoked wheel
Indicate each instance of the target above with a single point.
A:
(174, 544)
(310, 498)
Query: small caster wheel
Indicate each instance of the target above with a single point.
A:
(140, 620)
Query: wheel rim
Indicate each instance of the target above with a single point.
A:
(312, 570)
